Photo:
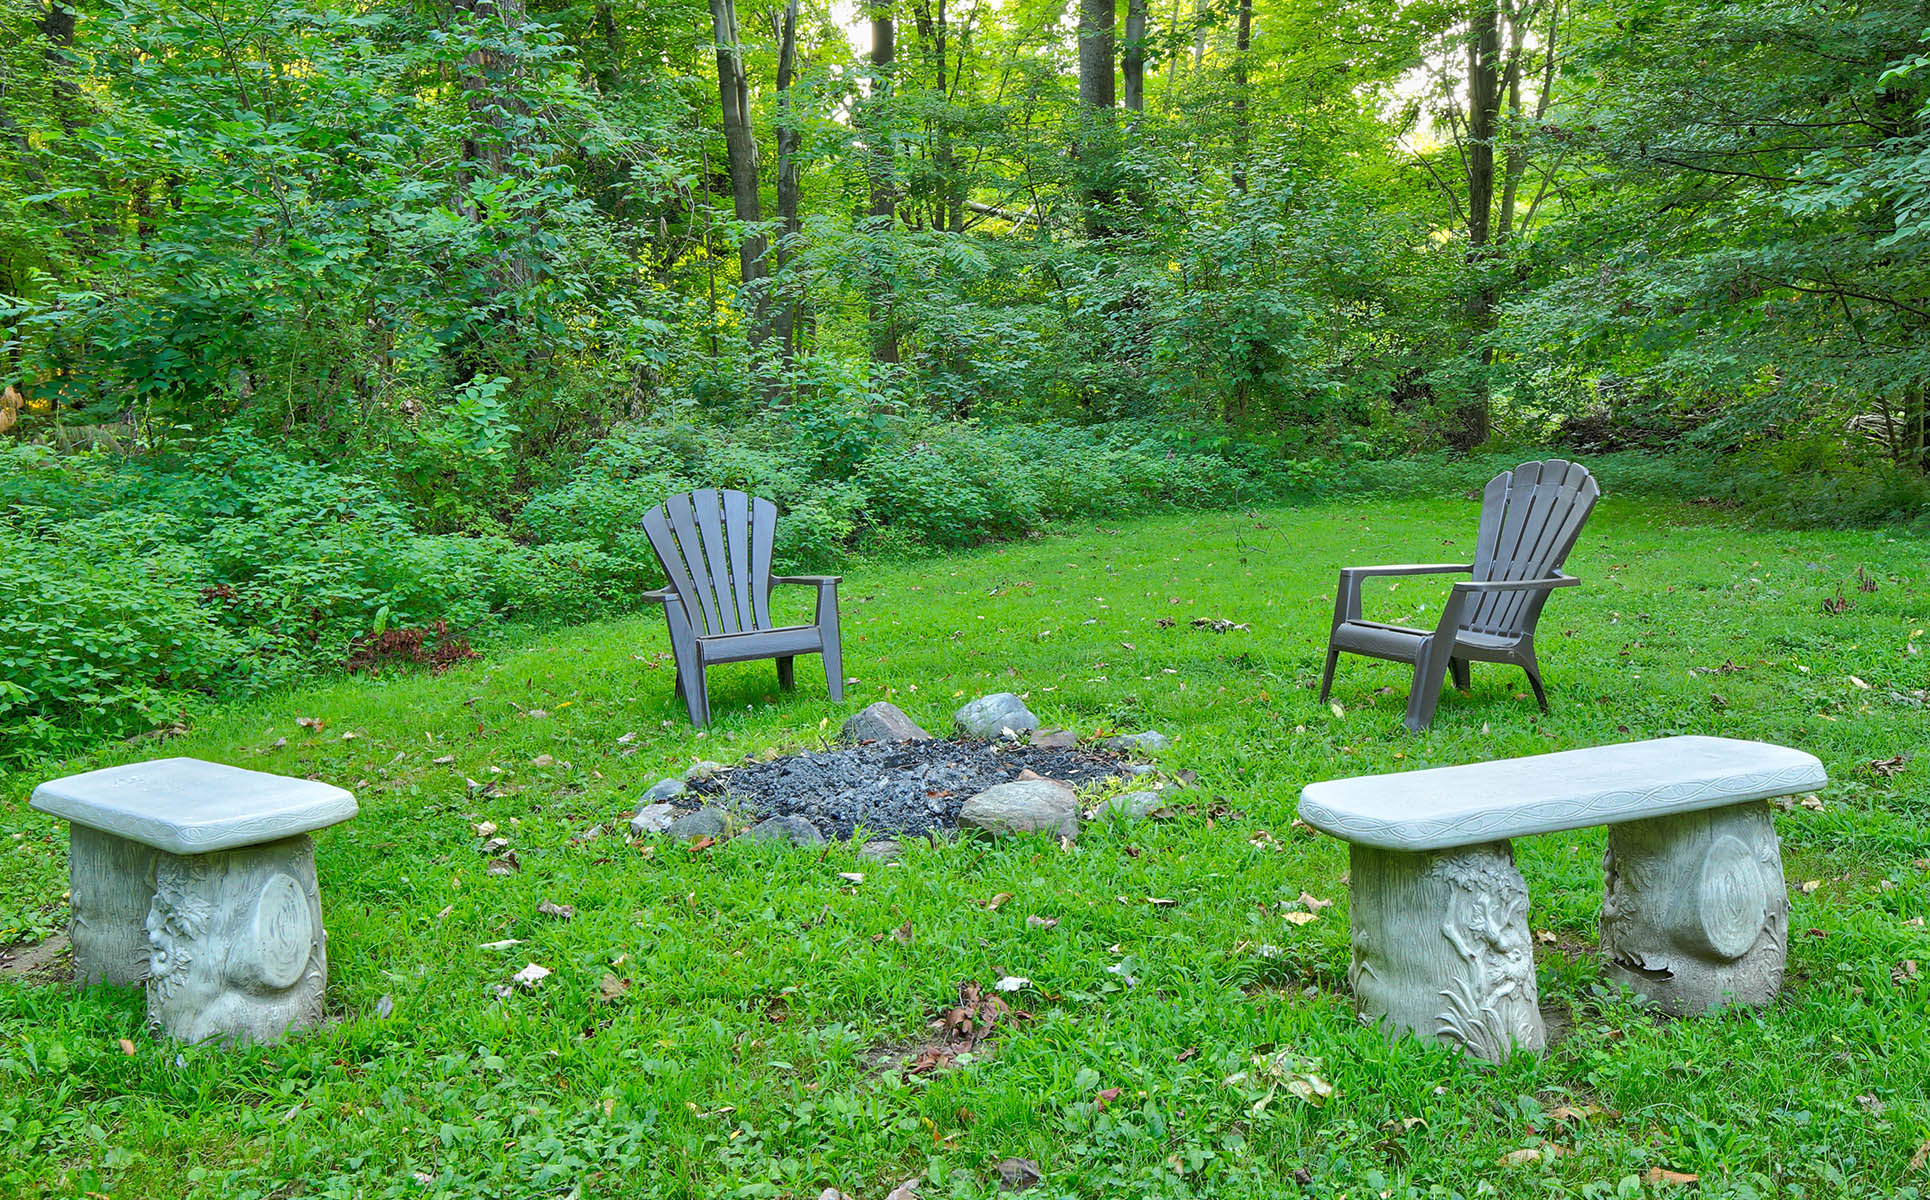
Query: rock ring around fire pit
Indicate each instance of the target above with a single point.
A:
(897, 781)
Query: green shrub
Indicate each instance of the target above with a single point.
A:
(103, 631)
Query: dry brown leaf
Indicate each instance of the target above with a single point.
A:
(1519, 1158)
(1314, 903)
(994, 903)
(1904, 971)
(486, 829)
(1890, 766)
(702, 844)
(564, 911)
(611, 988)
(127, 1046)
(1659, 1175)
(908, 1190)
(1189, 1052)
(1921, 1157)
(1105, 1096)
(1038, 922)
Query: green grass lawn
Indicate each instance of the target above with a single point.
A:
(720, 1023)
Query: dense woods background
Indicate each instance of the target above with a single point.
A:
(329, 319)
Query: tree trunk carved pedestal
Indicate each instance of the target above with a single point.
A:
(198, 881)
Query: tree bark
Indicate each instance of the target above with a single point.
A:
(1484, 107)
(880, 164)
(740, 146)
(790, 185)
(1242, 126)
(1133, 57)
(1096, 21)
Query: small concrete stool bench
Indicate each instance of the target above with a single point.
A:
(1694, 912)
(199, 880)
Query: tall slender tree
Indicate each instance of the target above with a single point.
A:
(740, 147)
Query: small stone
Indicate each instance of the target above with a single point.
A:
(1139, 770)
(1033, 806)
(1018, 1174)
(664, 789)
(881, 850)
(999, 715)
(882, 722)
(795, 830)
(1150, 742)
(1054, 739)
(653, 818)
(708, 821)
(1130, 806)
(701, 770)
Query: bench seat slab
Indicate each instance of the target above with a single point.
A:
(187, 806)
(1695, 910)
(1441, 947)
(1572, 789)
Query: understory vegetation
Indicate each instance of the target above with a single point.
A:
(744, 1020)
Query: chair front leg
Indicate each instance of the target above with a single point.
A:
(831, 639)
(1431, 666)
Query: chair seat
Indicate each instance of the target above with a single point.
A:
(1398, 643)
(760, 643)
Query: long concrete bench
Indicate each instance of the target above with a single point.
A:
(1694, 909)
(197, 880)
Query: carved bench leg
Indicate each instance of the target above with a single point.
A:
(1695, 911)
(1441, 947)
(109, 880)
(238, 951)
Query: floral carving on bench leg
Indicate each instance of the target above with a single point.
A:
(1441, 947)
(1489, 1002)
(1694, 908)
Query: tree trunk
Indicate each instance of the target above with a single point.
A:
(740, 146)
(1484, 106)
(790, 185)
(1133, 58)
(1096, 21)
(1242, 127)
(880, 164)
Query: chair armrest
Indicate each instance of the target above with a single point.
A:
(1518, 585)
(1347, 596)
(814, 580)
(827, 586)
(662, 595)
(1407, 569)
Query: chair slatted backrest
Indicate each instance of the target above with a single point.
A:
(715, 549)
(1530, 518)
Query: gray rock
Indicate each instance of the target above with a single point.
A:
(701, 770)
(653, 818)
(1150, 742)
(1130, 806)
(1028, 806)
(1140, 770)
(664, 789)
(1018, 1174)
(1054, 739)
(796, 830)
(883, 722)
(708, 821)
(990, 716)
(881, 850)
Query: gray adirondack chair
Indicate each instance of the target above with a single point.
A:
(715, 549)
(1530, 517)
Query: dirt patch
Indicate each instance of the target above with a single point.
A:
(909, 789)
(51, 961)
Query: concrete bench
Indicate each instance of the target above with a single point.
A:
(1694, 911)
(198, 880)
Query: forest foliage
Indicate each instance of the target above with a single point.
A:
(329, 317)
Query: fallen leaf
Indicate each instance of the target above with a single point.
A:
(1038, 922)
(1887, 767)
(385, 1007)
(928, 1062)
(505, 944)
(1904, 971)
(531, 975)
(1809, 886)
(832, 1194)
(702, 844)
(1012, 983)
(908, 1190)
(1106, 1096)
(611, 988)
(1301, 918)
(1921, 1157)
(538, 713)
(994, 903)
(853, 877)
(127, 1046)
(564, 911)
(1664, 1175)
(542, 760)
(1518, 1158)
(1812, 802)
(486, 830)
(902, 934)
(445, 760)
(1544, 937)
(626, 739)
(1160, 902)
(1189, 1053)
(1313, 902)
(350, 735)
(1859, 684)
(314, 723)
(1018, 1174)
